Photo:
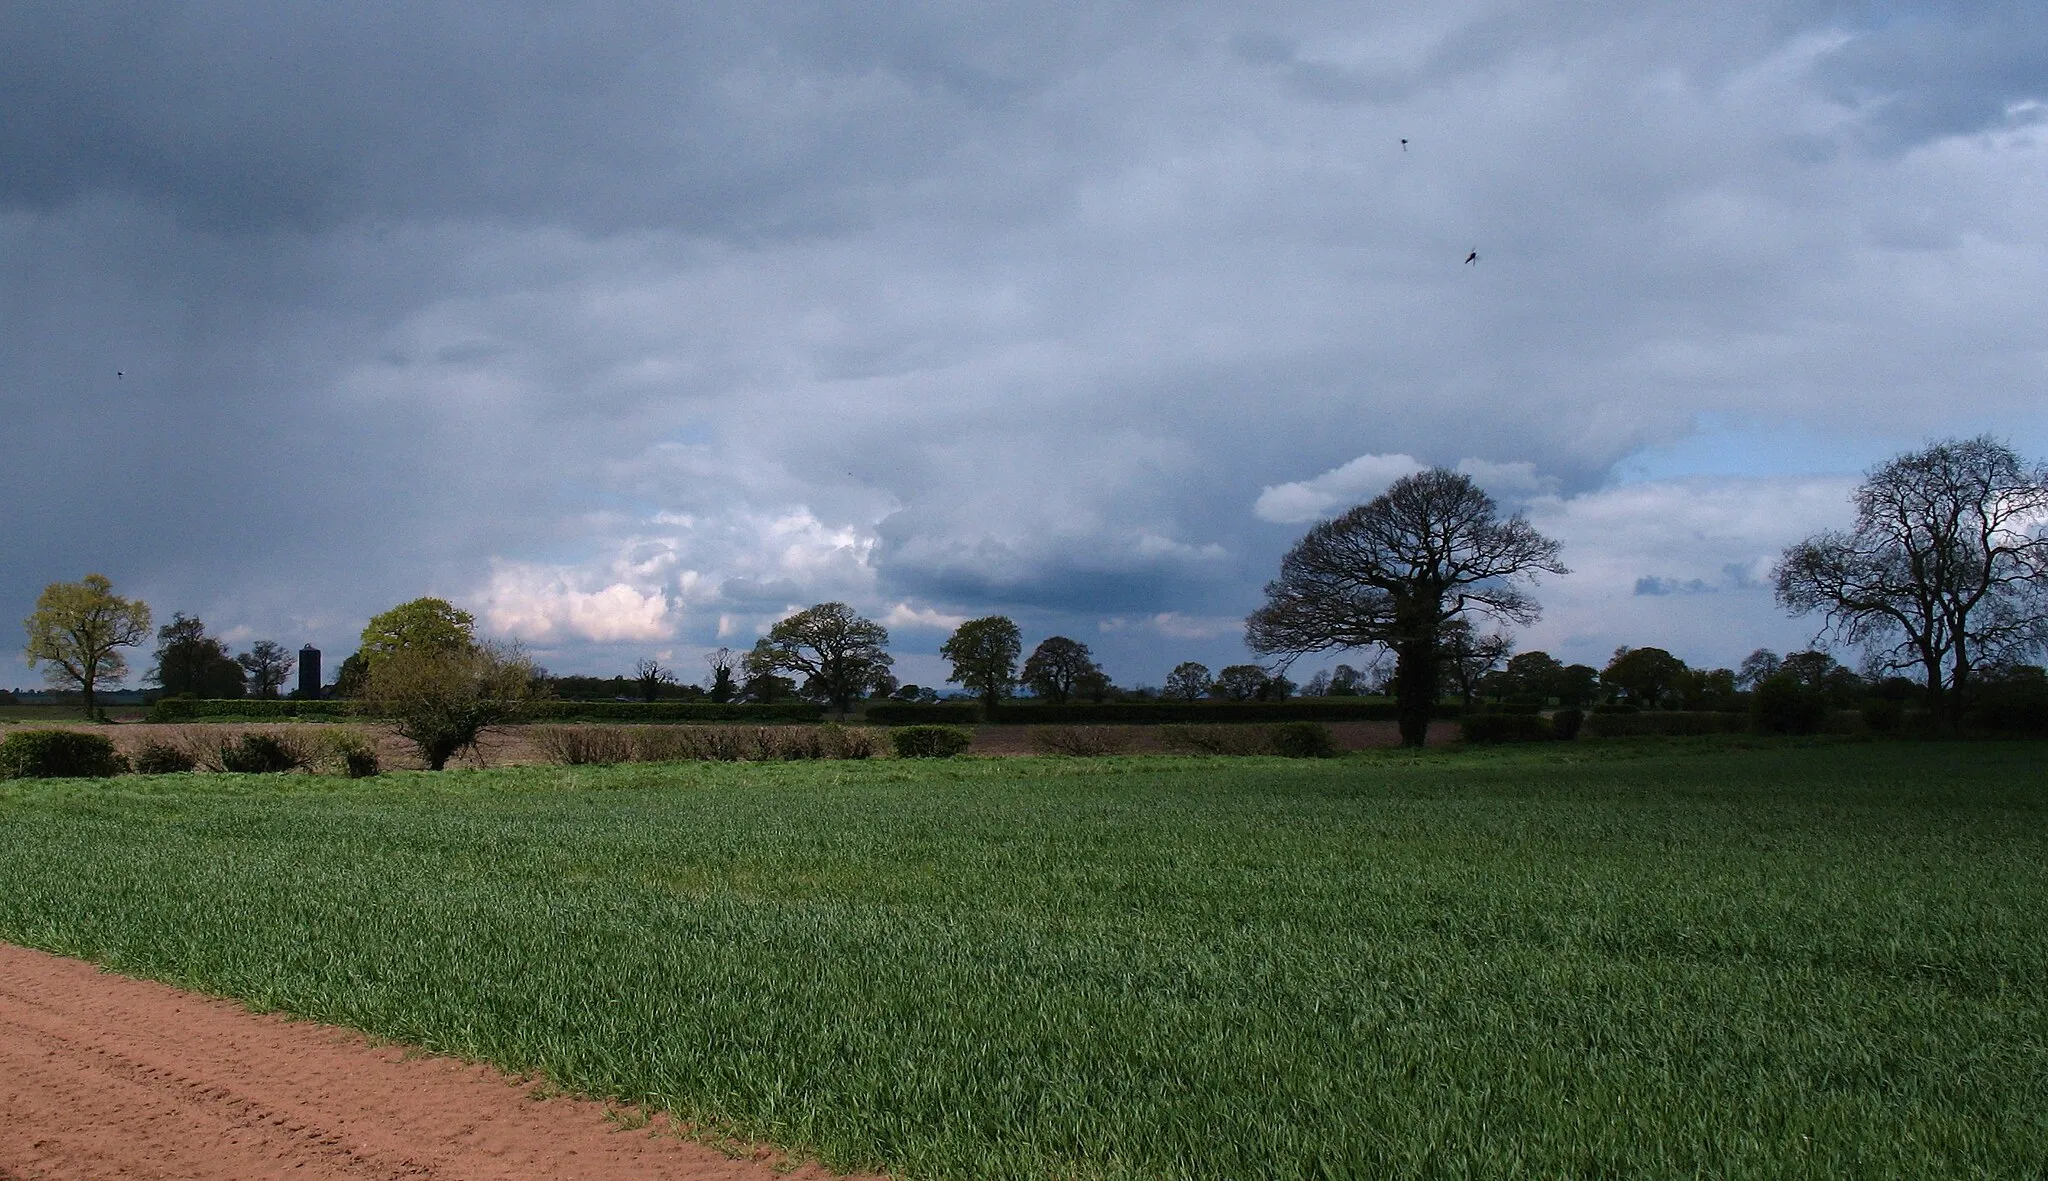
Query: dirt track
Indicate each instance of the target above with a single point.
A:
(106, 1077)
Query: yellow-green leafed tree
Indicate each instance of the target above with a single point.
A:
(77, 632)
(422, 625)
(443, 701)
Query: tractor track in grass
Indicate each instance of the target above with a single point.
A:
(102, 1076)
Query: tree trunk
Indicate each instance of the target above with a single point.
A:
(1415, 675)
(85, 683)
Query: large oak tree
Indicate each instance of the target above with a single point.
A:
(839, 654)
(1393, 571)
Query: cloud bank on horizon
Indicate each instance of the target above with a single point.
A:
(633, 329)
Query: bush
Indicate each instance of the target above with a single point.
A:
(846, 742)
(930, 742)
(1303, 740)
(58, 754)
(1615, 707)
(673, 744)
(1218, 740)
(1565, 723)
(576, 746)
(2008, 702)
(1664, 723)
(349, 751)
(443, 702)
(262, 754)
(1079, 740)
(1506, 728)
(669, 711)
(1782, 705)
(162, 758)
(1882, 715)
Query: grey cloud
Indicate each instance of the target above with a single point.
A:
(1651, 584)
(1930, 70)
(726, 119)
(1030, 301)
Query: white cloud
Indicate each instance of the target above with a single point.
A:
(1369, 475)
(1175, 625)
(1679, 564)
(1341, 487)
(544, 605)
(1509, 483)
(904, 615)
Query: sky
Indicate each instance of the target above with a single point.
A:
(633, 327)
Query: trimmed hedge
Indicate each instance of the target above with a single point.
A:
(1205, 712)
(252, 709)
(1664, 723)
(58, 754)
(185, 709)
(922, 713)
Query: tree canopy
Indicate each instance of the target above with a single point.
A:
(840, 655)
(268, 663)
(443, 700)
(984, 656)
(1944, 571)
(1189, 681)
(421, 625)
(77, 632)
(1645, 676)
(1060, 667)
(1393, 571)
(191, 663)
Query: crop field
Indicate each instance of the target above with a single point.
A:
(1699, 957)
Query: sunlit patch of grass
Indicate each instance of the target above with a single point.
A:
(1643, 959)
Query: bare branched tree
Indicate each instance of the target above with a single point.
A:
(723, 662)
(1393, 571)
(651, 676)
(268, 663)
(1944, 571)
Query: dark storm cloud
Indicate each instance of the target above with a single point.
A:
(730, 119)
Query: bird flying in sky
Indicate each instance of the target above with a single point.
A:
(1472, 257)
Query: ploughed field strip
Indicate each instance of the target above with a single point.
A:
(103, 1076)
(1662, 959)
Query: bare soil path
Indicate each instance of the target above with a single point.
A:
(102, 1077)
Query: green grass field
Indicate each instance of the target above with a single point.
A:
(1619, 960)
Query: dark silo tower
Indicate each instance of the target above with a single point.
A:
(309, 673)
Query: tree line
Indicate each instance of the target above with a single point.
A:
(1943, 576)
